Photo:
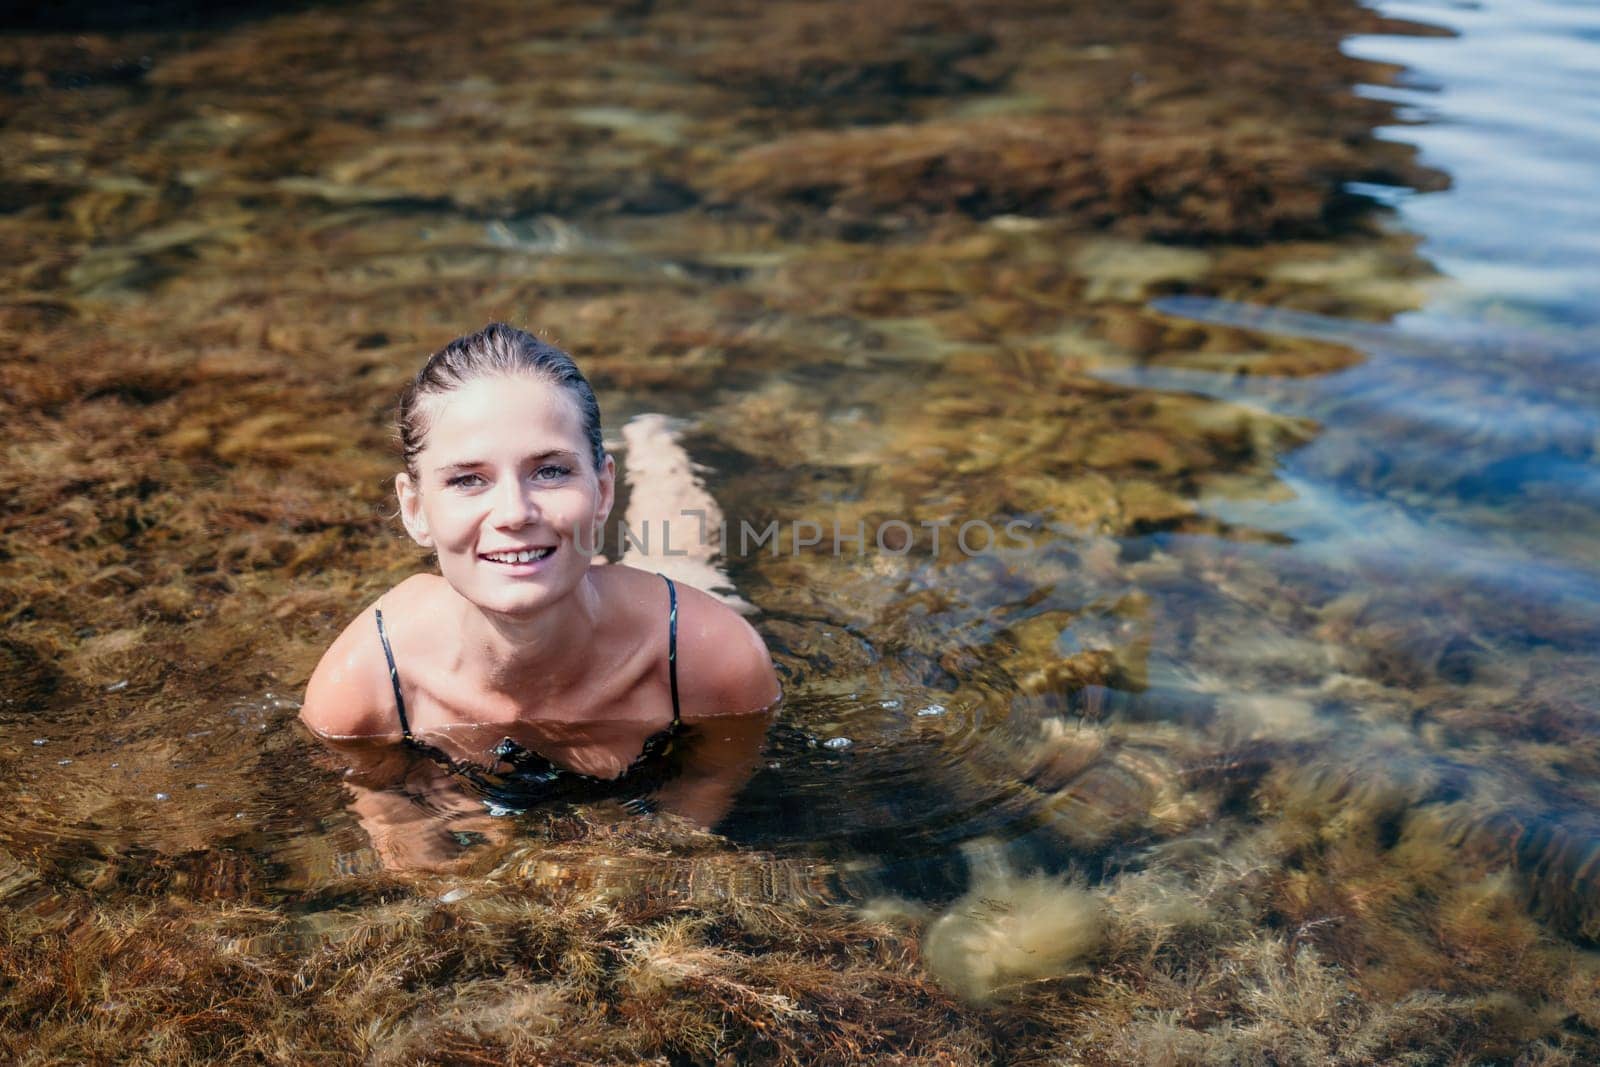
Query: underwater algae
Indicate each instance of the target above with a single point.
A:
(885, 261)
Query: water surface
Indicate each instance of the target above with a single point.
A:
(1281, 362)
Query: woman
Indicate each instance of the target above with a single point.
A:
(523, 671)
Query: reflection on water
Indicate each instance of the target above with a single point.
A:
(1269, 736)
(1506, 107)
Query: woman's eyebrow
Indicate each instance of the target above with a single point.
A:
(468, 464)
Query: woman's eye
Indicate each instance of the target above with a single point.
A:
(550, 472)
(464, 481)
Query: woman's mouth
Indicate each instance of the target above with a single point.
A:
(519, 558)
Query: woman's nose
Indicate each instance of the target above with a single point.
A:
(514, 504)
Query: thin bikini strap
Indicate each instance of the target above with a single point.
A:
(672, 644)
(394, 677)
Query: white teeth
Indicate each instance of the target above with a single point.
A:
(525, 556)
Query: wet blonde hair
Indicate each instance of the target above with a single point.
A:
(495, 349)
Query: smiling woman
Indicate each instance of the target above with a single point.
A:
(525, 669)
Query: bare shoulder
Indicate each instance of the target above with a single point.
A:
(349, 697)
(723, 665)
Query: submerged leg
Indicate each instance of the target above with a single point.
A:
(668, 503)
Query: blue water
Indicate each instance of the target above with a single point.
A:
(1510, 109)
(1465, 446)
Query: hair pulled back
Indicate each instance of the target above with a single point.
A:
(495, 349)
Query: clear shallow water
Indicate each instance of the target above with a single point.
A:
(1456, 462)
(1311, 491)
(1508, 107)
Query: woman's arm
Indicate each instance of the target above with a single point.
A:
(729, 691)
(415, 815)
(721, 756)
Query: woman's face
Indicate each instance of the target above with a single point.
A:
(506, 492)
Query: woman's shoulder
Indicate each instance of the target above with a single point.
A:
(723, 664)
(350, 696)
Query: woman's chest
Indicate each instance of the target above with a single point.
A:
(598, 729)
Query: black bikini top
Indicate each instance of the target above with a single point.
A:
(530, 777)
